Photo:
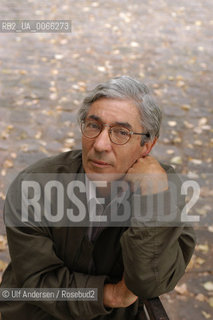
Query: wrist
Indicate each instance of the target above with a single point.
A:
(149, 187)
(110, 300)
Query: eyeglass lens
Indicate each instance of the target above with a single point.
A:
(118, 134)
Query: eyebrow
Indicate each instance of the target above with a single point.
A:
(123, 124)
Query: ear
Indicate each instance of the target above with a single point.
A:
(147, 147)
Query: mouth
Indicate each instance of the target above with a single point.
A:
(99, 164)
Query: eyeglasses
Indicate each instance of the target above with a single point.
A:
(118, 134)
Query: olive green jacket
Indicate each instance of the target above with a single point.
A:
(152, 259)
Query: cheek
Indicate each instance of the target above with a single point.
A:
(127, 159)
(85, 150)
(86, 145)
(132, 156)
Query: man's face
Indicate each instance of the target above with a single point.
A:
(101, 156)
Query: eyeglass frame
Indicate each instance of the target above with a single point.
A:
(109, 128)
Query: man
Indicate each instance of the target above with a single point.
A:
(120, 124)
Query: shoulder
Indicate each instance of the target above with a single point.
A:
(65, 162)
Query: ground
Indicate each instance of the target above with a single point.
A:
(44, 77)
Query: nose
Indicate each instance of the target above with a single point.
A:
(102, 142)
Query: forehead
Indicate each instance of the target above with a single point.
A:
(115, 110)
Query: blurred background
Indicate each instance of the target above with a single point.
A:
(45, 76)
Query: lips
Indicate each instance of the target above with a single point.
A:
(99, 163)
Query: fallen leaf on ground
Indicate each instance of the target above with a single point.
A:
(13, 155)
(3, 172)
(210, 228)
(202, 247)
(200, 260)
(202, 121)
(69, 142)
(172, 123)
(2, 195)
(182, 289)
(3, 265)
(188, 125)
(134, 44)
(3, 243)
(170, 151)
(198, 142)
(185, 107)
(195, 161)
(206, 315)
(176, 160)
(101, 68)
(8, 164)
(200, 297)
(210, 302)
(208, 286)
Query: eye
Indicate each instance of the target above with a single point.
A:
(120, 131)
(92, 125)
(123, 132)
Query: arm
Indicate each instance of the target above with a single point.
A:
(155, 258)
(36, 265)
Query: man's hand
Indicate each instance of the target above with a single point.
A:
(149, 175)
(118, 295)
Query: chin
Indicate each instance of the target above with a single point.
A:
(104, 176)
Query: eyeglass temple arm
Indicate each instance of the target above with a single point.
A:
(142, 134)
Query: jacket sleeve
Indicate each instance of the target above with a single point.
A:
(156, 255)
(35, 265)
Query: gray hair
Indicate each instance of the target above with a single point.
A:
(127, 88)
